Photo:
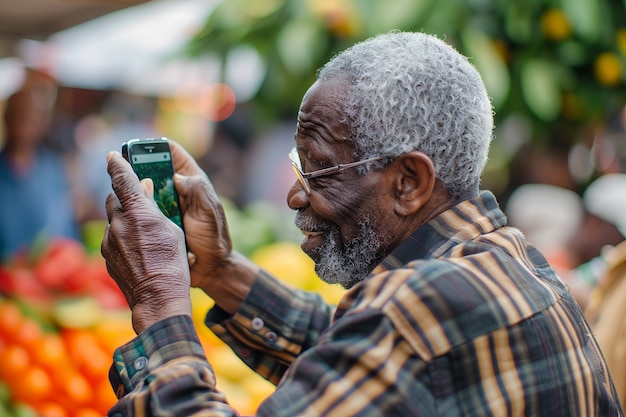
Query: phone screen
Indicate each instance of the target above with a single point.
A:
(152, 159)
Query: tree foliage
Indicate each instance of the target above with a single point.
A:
(561, 64)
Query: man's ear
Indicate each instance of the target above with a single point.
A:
(413, 182)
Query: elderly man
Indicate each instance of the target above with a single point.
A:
(449, 311)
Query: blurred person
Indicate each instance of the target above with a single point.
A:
(607, 313)
(549, 216)
(570, 232)
(605, 275)
(37, 199)
(449, 311)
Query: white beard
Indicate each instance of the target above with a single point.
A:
(351, 263)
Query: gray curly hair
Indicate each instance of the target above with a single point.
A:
(412, 91)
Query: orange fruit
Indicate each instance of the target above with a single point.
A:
(34, 385)
(51, 409)
(15, 361)
(104, 397)
(87, 412)
(77, 389)
(97, 367)
(28, 334)
(79, 343)
(10, 319)
(50, 352)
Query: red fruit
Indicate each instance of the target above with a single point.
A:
(21, 282)
(110, 299)
(60, 262)
(99, 284)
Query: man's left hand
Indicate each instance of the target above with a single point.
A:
(144, 251)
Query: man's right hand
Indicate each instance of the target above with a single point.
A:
(225, 275)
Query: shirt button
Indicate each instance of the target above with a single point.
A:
(271, 337)
(140, 363)
(257, 323)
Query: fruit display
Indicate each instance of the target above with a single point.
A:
(62, 316)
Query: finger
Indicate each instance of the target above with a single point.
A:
(106, 249)
(183, 162)
(124, 181)
(105, 240)
(112, 204)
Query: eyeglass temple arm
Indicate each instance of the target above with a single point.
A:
(338, 168)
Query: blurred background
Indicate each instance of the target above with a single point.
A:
(225, 79)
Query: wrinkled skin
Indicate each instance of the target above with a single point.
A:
(146, 254)
(351, 220)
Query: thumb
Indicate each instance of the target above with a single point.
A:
(190, 187)
(180, 181)
(196, 193)
(148, 188)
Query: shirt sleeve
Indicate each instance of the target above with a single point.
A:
(164, 371)
(273, 326)
(360, 367)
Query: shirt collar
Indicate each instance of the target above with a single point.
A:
(467, 220)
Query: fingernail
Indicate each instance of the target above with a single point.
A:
(191, 258)
(110, 154)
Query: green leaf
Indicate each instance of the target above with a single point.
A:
(299, 45)
(585, 16)
(381, 16)
(540, 88)
(483, 54)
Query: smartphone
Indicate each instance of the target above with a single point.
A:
(152, 158)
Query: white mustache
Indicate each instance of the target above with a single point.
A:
(307, 224)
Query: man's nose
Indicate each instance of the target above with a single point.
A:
(297, 197)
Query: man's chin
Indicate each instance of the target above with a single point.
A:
(335, 273)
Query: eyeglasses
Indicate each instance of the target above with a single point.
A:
(303, 178)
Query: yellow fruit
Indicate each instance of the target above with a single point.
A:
(608, 69)
(237, 397)
(331, 293)
(78, 313)
(257, 388)
(288, 262)
(227, 365)
(201, 304)
(555, 25)
(114, 330)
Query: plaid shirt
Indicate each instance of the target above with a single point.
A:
(464, 318)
